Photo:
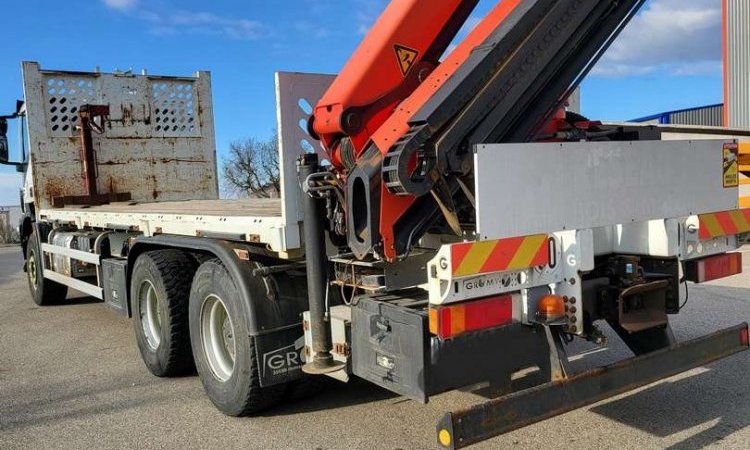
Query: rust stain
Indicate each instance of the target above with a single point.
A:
(127, 114)
(181, 160)
(56, 187)
(155, 192)
(146, 115)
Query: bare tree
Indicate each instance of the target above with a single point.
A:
(252, 168)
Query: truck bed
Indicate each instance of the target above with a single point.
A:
(248, 220)
(250, 207)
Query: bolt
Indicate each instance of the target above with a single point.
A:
(574, 328)
(566, 299)
(573, 300)
(572, 281)
(573, 310)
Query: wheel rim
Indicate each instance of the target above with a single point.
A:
(217, 336)
(31, 268)
(148, 304)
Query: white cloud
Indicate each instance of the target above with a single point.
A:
(199, 22)
(307, 29)
(368, 12)
(679, 37)
(120, 5)
(169, 21)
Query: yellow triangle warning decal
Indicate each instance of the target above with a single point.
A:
(406, 58)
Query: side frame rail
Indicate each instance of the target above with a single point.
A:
(79, 285)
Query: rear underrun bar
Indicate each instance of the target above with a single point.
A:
(481, 422)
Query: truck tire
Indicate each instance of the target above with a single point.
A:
(44, 292)
(224, 351)
(159, 296)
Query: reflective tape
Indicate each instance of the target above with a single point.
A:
(501, 255)
(724, 223)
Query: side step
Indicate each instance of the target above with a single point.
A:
(481, 422)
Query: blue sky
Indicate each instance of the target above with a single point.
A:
(669, 58)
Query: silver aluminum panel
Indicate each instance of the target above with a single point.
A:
(525, 189)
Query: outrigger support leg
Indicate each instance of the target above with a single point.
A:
(481, 422)
(558, 356)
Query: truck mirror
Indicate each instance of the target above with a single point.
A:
(4, 141)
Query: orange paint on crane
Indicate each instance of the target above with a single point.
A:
(398, 123)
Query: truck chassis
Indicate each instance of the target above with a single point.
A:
(229, 286)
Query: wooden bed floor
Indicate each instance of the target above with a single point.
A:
(250, 207)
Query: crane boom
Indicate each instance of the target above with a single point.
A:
(398, 123)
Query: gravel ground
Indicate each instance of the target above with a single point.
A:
(71, 377)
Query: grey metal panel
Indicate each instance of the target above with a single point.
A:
(115, 284)
(158, 144)
(738, 62)
(712, 116)
(296, 92)
(525, 189)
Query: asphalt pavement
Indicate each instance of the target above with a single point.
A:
(71, 378)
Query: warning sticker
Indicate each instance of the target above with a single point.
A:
(731, 165)
(406, 58)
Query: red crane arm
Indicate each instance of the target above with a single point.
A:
(398, 123)
(398, 53)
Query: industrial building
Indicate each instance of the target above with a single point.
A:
(735, 111)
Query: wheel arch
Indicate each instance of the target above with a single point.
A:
(264, 314)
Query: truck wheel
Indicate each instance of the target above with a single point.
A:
(159, 295)
(43, 291)
(224, 351)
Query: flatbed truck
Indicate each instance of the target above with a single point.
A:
(491, 269)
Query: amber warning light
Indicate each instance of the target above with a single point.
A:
(551, 308)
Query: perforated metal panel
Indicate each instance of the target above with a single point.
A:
(296, 94)
(63, 96)
(174, 108)
(158, 143)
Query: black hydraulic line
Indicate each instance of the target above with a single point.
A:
(317, 272)
(450, 30)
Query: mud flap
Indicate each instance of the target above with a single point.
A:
(280, 356)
